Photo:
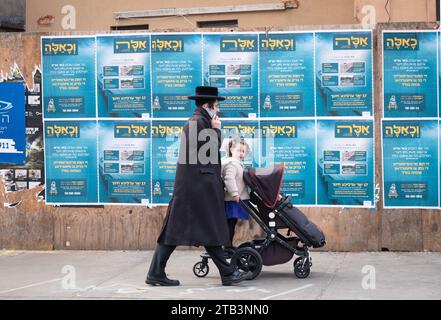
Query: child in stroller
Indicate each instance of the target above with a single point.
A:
(272, 214)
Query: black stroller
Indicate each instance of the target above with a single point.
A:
(273, 216)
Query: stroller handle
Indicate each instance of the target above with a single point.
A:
(285, 202)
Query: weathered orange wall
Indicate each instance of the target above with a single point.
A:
(93, 15)
(97, 15)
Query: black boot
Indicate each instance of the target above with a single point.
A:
(162, 281)
(229, 274)
(236, 277)
(156, 275)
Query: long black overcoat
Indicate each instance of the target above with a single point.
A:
(196, 213)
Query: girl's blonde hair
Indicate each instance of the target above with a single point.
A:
(234, 142)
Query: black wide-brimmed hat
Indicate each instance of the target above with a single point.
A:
(206, 93)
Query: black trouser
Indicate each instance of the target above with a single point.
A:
(231, 226)
(163, 252)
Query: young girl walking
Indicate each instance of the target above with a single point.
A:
(235, 188)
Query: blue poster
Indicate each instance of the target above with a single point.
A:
(410, 74)
(124, 161)
(292, 142)
(166, 139)
(248, 130)
(344, 73)
(123, 76)
(71, 162)
(231, 64)
(176, 72)
(410, 163)
(286, 75)
(68, 77)
(345, 162)
(12, 123)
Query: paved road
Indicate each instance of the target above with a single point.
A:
(120, 275)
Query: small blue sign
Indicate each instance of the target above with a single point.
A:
(12, 123)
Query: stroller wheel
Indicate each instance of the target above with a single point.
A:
(200, 269)
(248, 259)
(302, 268)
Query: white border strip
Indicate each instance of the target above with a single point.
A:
(44, 120)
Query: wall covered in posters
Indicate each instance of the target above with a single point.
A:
(410, 128)
(126, 96)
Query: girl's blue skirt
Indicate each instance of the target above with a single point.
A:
(235, 211)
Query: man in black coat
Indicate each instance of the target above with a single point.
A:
(196, 214)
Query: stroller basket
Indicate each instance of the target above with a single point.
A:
(276, 254)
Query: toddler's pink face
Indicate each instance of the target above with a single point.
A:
(238, 152)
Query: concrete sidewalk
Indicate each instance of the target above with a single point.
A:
(121, 275)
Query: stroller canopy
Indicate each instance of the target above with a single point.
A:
(266, 182)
